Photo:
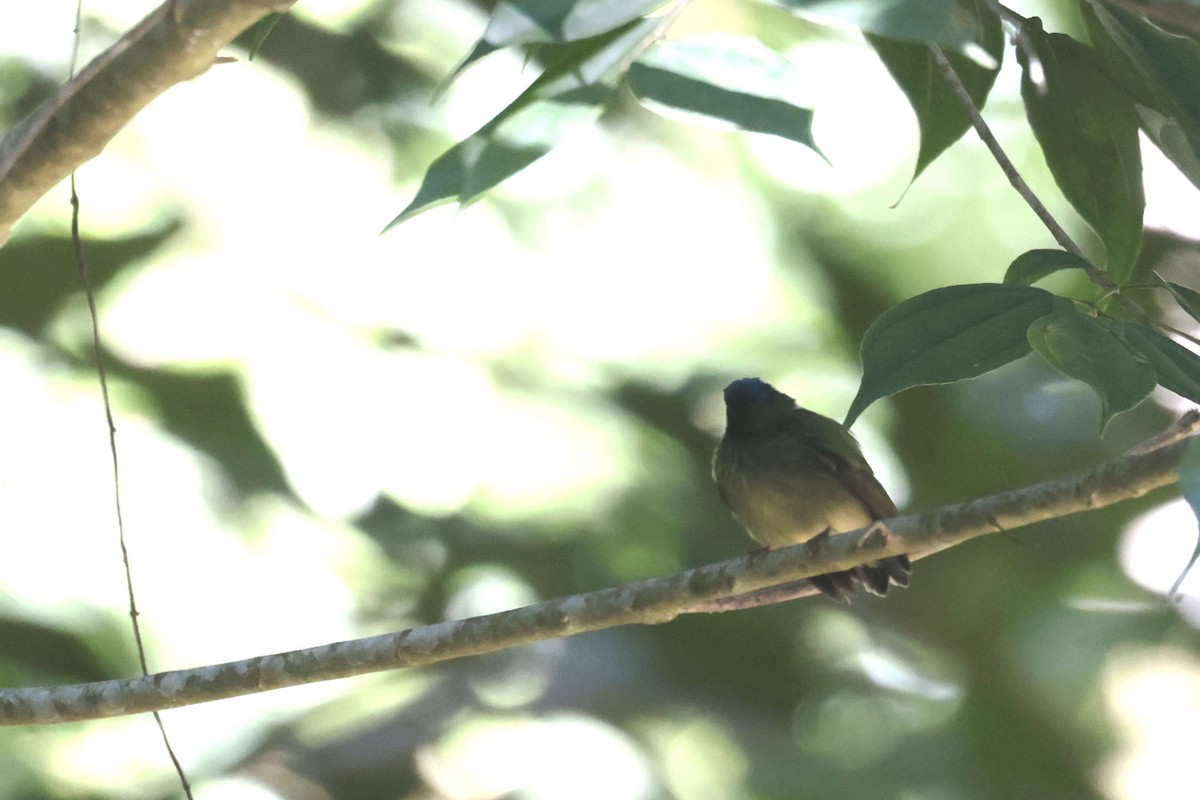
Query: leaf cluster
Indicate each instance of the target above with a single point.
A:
(1086, 103)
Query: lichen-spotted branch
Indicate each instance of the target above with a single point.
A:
(652, 601)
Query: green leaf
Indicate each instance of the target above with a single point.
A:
(254, 37)
(524, 22)
(1030, 267)
(1188, 299)
(917, 20)
(939, 113)
(571, 93)
(1087, 128)
(1157, 68)
(947, 335)
(733, 79)
(1082, 348)
(1178, 143)
(1177, 368)
(1189, 487)
(1161, 71)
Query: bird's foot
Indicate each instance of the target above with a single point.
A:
(877, 534)
(813, 545)
(878, 575)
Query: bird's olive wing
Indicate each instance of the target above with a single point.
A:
(841, 452)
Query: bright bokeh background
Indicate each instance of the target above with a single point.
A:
(327, 433)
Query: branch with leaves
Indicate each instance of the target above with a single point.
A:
(1086, 103)
(726, 585)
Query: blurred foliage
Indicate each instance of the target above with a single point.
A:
(327, 434)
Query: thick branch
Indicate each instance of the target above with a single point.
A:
(178, 41)
(647, 602)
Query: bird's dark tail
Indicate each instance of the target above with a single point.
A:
(875, 577)
(878, 575)
(839, 586)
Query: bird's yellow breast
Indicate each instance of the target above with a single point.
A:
(779, 508)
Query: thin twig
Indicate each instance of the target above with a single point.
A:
(1097, 276)
(81, 264)
(1185, 427)
(1001, 158)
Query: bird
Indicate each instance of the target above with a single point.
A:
(790, 475)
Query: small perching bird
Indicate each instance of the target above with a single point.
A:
(790, 475)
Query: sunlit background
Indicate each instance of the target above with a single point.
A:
(327, 433)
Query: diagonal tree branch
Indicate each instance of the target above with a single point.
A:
(1147, 467)
(176, 42)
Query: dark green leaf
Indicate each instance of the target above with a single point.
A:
(1177, 368)
(939, 113)
(1082, 348)
(570, 94)
(1087, 128)
(736, 80)
(948, 335)
(1180, 144)
(1188, 299)
(1161, 71)
(1030, 267)
(252, 39)
(1189, 487)
(917, 20)
(523, 22)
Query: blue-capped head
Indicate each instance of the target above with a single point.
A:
(754, 406)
